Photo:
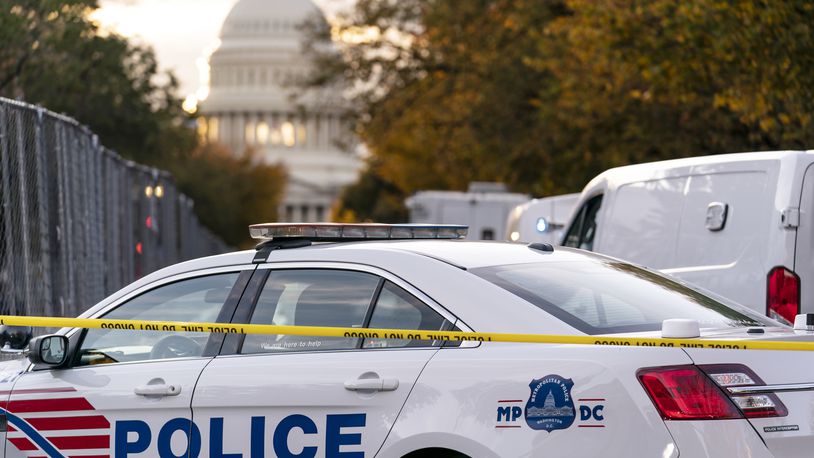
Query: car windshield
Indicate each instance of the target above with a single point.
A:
(598, 296)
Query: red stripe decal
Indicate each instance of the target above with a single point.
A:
(63, 423)
(49, 405)
(11, 429)
(22, 443)
(80, 442)
(66, 389)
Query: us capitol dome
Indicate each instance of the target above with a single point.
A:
(251, 104)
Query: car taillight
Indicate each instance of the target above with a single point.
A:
(783, 295)
(686, 393)
(753, 405)
(708, 392)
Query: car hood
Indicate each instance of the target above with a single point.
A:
(11, 369)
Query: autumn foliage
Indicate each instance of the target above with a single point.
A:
(545, 94)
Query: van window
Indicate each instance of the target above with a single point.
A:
(583, 230)
(600, 296)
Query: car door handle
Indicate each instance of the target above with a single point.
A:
(372, 384)
(158, 390)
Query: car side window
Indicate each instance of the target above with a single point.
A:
(397, 309)
(311, 297)
(582, 232)
(197, 299)
(572, 236)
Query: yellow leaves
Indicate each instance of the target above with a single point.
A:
(719, 101)
(355, 35)
(644, 96)
(767, 124)
(343, 215)
(611, 81)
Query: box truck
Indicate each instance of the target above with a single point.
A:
(484, 208)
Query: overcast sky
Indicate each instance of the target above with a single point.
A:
(182, 32)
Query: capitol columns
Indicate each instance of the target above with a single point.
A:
(238, 131)
(311, 141)
(225, 128)
(324, 135)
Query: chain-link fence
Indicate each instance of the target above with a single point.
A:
(77, 221)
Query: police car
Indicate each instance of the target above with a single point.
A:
(128, 393)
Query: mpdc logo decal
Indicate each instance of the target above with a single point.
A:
(550, 405)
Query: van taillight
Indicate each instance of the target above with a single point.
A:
(686, 393)
(783, 295)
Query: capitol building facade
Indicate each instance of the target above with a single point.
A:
(252, 104)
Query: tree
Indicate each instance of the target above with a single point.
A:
(28, 27)
(55, 56)
(231, 192)
(443, 95)
(61, 60)
(543, 95)
(660, 79)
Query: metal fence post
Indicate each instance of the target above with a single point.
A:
(7, 261)
(43, 212)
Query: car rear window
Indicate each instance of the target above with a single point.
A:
(599, 296)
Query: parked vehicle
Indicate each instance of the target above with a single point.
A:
(540, 220)
(740, 225)
(484, 208)
(121, 392)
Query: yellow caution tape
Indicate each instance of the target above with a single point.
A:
(370, 333)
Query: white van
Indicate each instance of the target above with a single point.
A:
(740, 225)
(540, 220)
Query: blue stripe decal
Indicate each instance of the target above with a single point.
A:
(32, 434)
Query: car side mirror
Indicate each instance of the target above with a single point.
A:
(51, 350)
(13, 339)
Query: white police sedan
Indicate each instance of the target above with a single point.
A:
(127, 393)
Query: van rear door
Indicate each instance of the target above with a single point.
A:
(727, 259)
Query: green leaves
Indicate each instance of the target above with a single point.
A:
(230, 192)
(54, 56)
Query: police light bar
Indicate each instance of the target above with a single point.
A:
(335, 232)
